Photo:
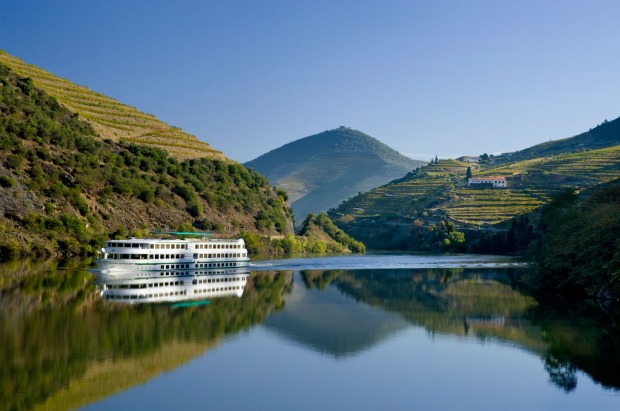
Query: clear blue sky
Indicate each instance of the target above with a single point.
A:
(425, 77)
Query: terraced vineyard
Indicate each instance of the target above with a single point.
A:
(489, 206)
(594, 166)
(420, 190)
(440, 191)
(111, 119)
(407, 198)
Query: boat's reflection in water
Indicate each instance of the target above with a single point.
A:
(199, 285)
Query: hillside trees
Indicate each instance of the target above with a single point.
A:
(578, 255)
(324, 223)
(74, 181)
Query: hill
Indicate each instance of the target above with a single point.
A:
(320, 171)
(111, 119)
(400, 215)
(64, 189)
(606, 134)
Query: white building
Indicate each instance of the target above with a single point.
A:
(469, 159)
(496, 181)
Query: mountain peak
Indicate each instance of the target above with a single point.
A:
(320, 171)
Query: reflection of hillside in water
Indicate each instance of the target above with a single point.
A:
(476, 302)
(365, 307)
(63, 346)
(330, 322)
(469, 303)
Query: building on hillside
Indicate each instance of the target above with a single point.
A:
(495, 181)
(469, 159)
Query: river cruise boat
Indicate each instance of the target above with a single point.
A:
(193, 287)
(142, 258)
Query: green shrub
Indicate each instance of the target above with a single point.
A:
(147, 195)
(9, 250)
(70, 246)
(195, 209)
(14, 161)
(6, 181)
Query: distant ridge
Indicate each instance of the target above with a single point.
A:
(112, 119)
(606, 134)
(320, 171)
(394, 216)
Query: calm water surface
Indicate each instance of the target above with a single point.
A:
(374, 332)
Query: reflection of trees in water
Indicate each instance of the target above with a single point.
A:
(580, 337)
(561, 372)
(54, 328)
(458, 301)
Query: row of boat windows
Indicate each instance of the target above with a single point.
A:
(168, 294)
(227, 255)
(173, 266)
(145, 256)
(185, 273)
(173, 246)
(216, 246)
(171, 256)
(144, 285)
(210, 290)
(200, 265)
(217, 280)
(136, 297)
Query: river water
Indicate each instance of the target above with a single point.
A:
(370, 332)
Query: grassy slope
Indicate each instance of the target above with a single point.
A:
(112, 119)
